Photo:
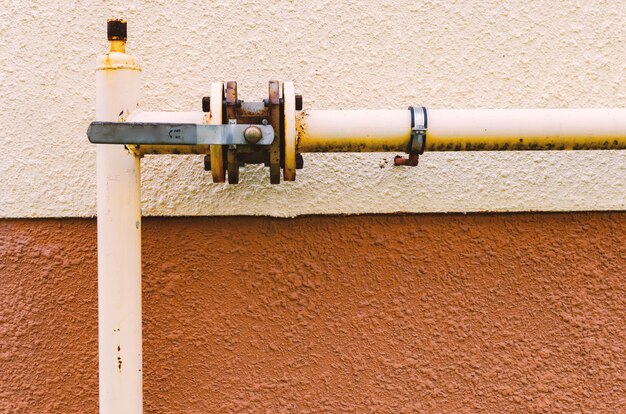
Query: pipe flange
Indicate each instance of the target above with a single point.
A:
(289, 144)
(216, 152)
(275, 104)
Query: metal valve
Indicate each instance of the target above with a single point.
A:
(232, 133)
(276, 112)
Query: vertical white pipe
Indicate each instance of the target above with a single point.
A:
(119, 242)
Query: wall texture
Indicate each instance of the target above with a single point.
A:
(341, 54)
(389, 314)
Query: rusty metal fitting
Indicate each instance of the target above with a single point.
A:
(116, 29)
(411, 161)
(206, 104)
(298, 102)
(253, 134)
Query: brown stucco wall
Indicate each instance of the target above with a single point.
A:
(389, 314)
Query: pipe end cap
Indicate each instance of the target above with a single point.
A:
(116, 29)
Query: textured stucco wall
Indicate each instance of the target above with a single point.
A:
(341, 54)
(510, 313)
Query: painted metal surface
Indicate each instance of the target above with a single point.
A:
(353, 130)
(216, 153)
(526, 129)
(119, 243)
(289, 146)
(464, 130)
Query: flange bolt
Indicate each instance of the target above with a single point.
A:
(298, 102)
(206, 104)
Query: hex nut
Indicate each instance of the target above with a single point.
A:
(298, 102)
(206, 104)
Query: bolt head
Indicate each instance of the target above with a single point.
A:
(298, 102)
(206, 104)
(253, 134)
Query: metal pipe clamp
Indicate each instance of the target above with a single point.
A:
(419, 125)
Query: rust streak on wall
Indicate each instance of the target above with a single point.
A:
(388, 314)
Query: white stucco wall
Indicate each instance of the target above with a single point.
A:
(340, 54)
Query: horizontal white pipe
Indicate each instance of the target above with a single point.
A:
(167, 117)
(461, 130)
(448, 129)
(494, 129)
(354, 131)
